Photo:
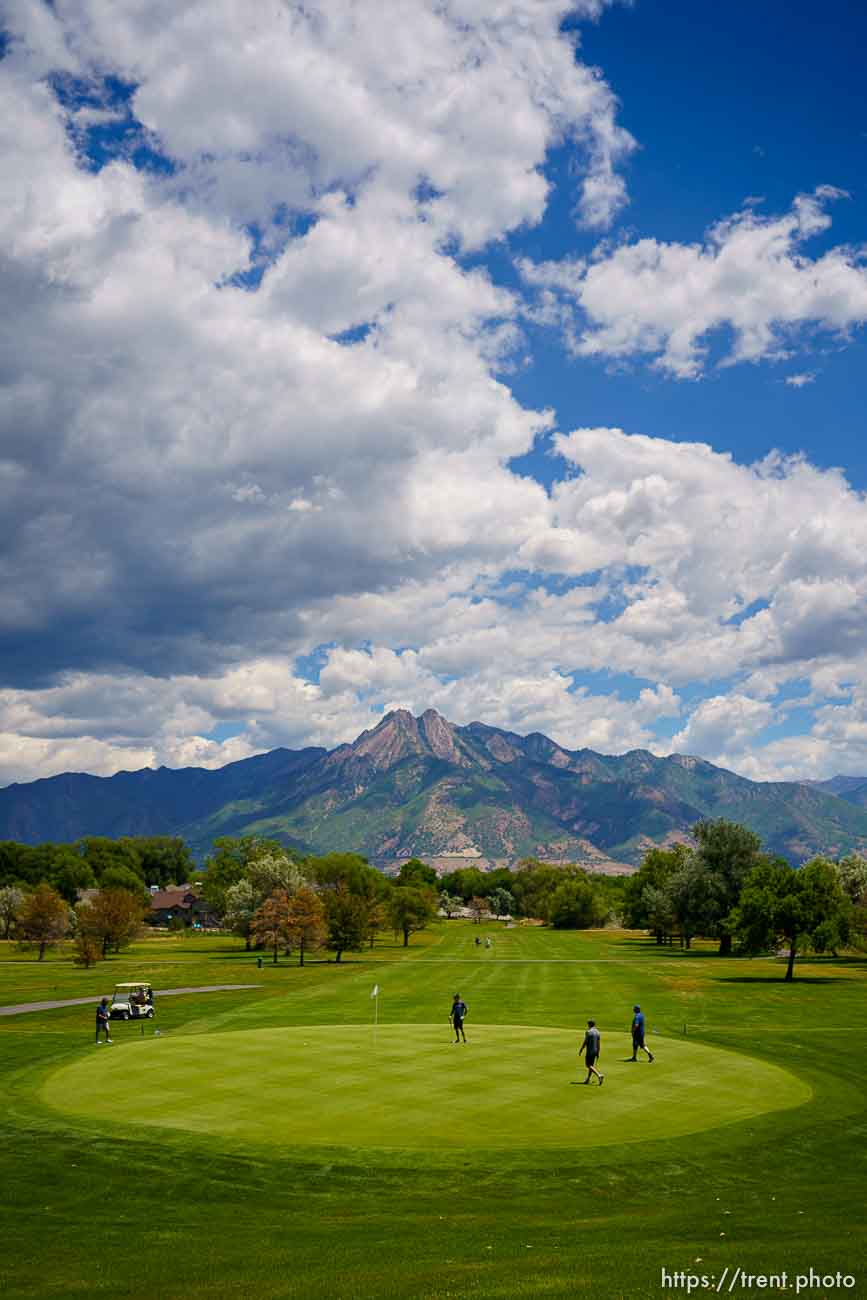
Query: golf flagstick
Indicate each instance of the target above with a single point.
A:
(375, 996)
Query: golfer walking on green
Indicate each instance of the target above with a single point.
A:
(591, 1047)
(638, 1035)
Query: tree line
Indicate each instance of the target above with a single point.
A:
(41, 887)
(725, 887)
(96, 862)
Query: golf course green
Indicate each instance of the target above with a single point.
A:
(412, 1086)
(272, 1142)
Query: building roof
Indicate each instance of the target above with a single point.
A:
(165, 898)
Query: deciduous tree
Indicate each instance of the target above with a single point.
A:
(11, 898)
(411, 908)
(416, 872)
(273, 870)
(730, 852)
(345, 918)
(479, 908)
(449, 903)
(502, 902)
(574, 905)
(805, 907)
(88, 948)
(241, 904)
(43, 919)
(113, 917)
(306, 921)
(271, 923)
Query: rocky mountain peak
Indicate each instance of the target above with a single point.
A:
(399, 735)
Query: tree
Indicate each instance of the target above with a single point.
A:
(730, 852)
(88, 948)
(345, 918)
(70, 874)
(479, 908)
(449, 903)
(227, 865)
(165, 860)
(271, 922)
(273, 870)
(241, 904)
(411, 908)
(18, 864)
(658, 909)
(655, 871)
(377, 917)
(101, 853)
(805, 907)
(465, 882)
(43, 919)
(502, 902)
(120, 877)
(574, 905)
(113, 917)
(534, 884)
(852, 875)
(355, 876)
(306, 921)
(11, 898)
(416, 872)
(692, 899)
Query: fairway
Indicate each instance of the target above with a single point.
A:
(511, 1086)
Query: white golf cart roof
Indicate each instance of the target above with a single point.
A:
(136, 984)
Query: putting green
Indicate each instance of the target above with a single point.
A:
(510, 1086)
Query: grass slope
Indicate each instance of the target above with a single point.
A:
(95, 1203)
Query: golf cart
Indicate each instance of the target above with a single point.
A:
(133, 1001)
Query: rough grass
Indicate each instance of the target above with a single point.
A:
(96, 1204)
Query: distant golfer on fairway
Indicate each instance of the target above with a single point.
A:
(102, 1020)
(638, 1035)
(592, 1046)
(457, 1016)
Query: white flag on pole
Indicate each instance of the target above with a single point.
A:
(375, 993)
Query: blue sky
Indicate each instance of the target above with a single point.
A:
(501, 358)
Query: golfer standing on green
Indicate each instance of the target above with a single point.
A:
(591, 1047)
(457, 1016)
(103, 1016)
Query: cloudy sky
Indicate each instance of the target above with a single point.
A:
(505, 357)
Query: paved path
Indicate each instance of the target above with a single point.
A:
(80, 1002)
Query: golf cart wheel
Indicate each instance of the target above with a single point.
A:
(150, 1013)
(124, 1015)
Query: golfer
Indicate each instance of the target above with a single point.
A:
(457, 1016)
(102, 1020)
(591, 1048)
(638, 1035)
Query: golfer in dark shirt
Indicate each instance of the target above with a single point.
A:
(103, 1016)
(638, 1035)
(591, 1047)
(457, 1016)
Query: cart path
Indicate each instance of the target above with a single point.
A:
(81, 1002)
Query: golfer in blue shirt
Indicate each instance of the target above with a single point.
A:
(638, 1035)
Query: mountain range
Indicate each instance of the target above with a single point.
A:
(452, 795)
